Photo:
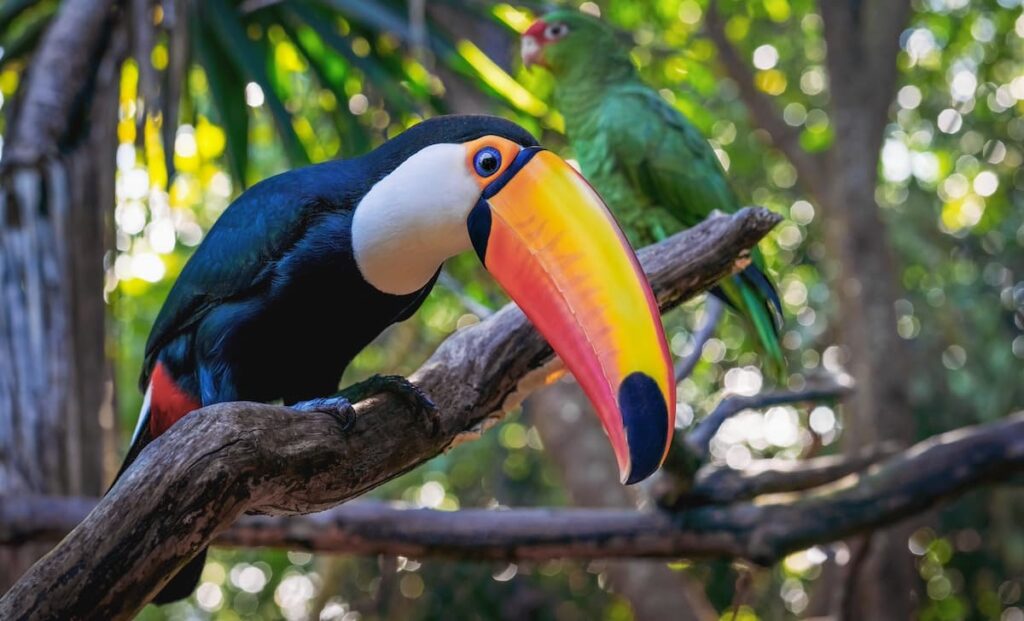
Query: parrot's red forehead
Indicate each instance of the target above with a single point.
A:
(536, 30)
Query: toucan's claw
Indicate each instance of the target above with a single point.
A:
(403, 389)
(337, 406)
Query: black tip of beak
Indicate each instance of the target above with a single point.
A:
(644, 418)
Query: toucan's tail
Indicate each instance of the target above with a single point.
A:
(752, 294)
(140, 437)
(186, 580)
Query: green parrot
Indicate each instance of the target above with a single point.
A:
(655, 170)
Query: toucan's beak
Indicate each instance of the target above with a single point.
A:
(551, 243)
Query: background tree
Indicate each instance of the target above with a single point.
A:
(917, 268)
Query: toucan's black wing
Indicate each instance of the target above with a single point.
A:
(240, 250)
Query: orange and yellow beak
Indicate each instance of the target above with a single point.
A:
(551, 243)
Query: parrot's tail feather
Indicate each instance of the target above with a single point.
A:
(183, 582)
(719, 292)
(764, 285)
(761, 311)
(752, 295)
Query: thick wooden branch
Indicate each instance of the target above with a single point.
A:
(64, 64)
(810, 167)
(933, 471)
(224, 460)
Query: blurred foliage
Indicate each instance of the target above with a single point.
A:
(271, 84)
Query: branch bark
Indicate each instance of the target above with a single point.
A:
(933, 471)
(228, 459)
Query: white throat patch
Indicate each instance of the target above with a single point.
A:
(413, 219)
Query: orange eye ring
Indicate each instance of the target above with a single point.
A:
(502, 150)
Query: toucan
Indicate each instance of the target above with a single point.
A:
(306, 268)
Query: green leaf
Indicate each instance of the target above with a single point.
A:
(354, 138)
(11, 9)
(381, 79)
(250, 56)
(227, 90)
(22, 41)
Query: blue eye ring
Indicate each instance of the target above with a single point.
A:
(487, 161)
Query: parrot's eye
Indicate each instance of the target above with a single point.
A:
(556, 31)
(487, 161)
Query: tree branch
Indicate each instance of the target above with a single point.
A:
(721, 484)
(713, 311)
(936, 470)
(810, 167)
(228, 459)
(698, 440)
(675, 484)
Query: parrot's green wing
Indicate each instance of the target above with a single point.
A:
(664, 156)
(665, 159)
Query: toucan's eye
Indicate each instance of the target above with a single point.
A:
(487, 161)
(556, 31)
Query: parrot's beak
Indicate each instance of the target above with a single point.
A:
(531, 45)
(550, 241)
(530, 49)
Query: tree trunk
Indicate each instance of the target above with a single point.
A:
(55, 207)
(862, 37)
(863, 42)
(568, 428)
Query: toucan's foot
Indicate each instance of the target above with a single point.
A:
(337, 406)
(401, 388)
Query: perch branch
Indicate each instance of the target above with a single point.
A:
(933, 471)
(224, 460)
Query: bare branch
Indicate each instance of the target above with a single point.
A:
(699, 439)
(713, 311)
(721, 484)
(222, 461)
(810, 167)
(936, 470)
(453, 285)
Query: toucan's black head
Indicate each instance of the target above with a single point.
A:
(447, 129)
(454, 183)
